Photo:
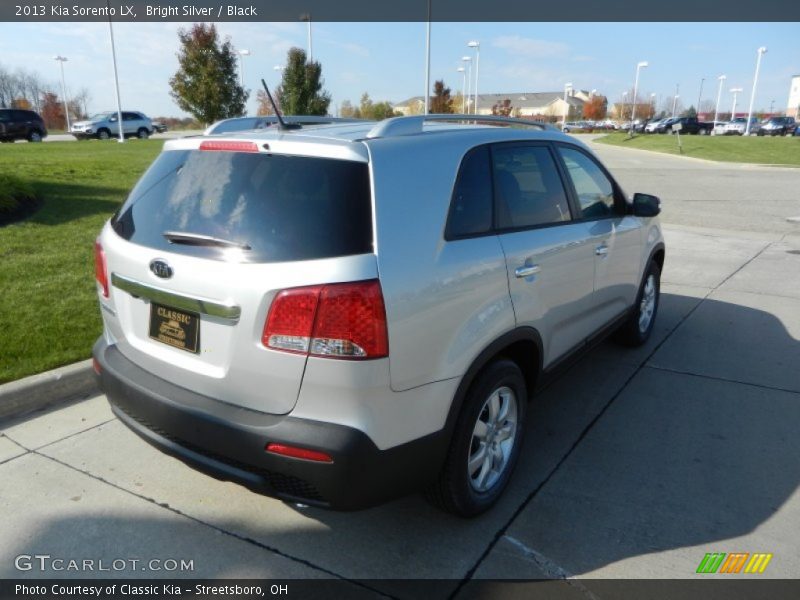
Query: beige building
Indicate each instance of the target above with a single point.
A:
(523, 104)
(793, 106)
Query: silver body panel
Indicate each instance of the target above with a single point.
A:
(446, 301)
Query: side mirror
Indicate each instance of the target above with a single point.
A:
(645, 205)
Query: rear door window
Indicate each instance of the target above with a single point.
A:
(283, 208)
(527, 187)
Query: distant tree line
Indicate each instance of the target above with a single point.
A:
(28, 90)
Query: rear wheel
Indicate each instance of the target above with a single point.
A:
(703, 132)
(637, 329)
(35, 136)
(142, 134)
(486, 442)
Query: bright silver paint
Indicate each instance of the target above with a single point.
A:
(446, 301)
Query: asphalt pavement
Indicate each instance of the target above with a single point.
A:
(636, 462)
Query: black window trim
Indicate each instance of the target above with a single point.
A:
(621, 206)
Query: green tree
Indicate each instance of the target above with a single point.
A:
(384, 110)
(689, 112)
(365, 106)
(301, 90)
(205, 84)
(441, 103)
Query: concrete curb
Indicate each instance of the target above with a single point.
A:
(45, 389)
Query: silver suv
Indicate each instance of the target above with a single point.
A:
(106, 125)
(341, 314)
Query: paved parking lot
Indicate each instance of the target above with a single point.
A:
(636, 462)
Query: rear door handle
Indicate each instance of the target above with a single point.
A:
(526, 271)
(601, 250)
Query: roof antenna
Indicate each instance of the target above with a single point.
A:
(282, 125)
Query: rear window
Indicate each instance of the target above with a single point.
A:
(285, 208)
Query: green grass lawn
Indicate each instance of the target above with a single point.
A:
(763, 150)
(48, 313)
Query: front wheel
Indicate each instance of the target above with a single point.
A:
(637, 329)
(34, 136)
(485, 444)
(104, 134)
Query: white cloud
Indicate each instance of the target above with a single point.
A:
(523, 47)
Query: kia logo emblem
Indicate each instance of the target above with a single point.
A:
(160, 268)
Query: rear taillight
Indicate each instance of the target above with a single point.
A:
(341, 320)
(100, 270)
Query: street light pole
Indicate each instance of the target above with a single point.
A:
(463, 71)
(652, 105)
(567, 87)
(467, 61)
(761, 51)
(735, 92)
(426, 95)
(622, 108)
(700, 95)
(62, 60)
(722, 79)
(641, 65)
(477, 46)
(242, 54)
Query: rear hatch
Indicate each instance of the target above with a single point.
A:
(206, 240)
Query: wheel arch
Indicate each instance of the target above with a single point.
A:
(522, 345)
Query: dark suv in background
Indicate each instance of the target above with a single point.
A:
(18, 124)
(778, 126)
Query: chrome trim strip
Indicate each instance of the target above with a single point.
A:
(203, 306)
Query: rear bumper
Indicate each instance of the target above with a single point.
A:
(227, 442)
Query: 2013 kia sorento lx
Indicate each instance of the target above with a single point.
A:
(344, 313)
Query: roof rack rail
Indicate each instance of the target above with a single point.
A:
(413, 124)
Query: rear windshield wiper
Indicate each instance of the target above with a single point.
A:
(196, 239)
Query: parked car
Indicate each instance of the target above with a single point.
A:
(778, 126)
(665, 125)
(355, 323)
(19, 124)
(106, 125)
(159, 127)
(262, 122)
(738, 126)
(652, 126)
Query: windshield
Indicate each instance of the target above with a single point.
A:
(100, 116)
(285, 208)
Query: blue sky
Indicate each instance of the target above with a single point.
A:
(388, 59)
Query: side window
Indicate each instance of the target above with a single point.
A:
(129, 116)
(595, 191)
(471, 205)
(528, 188)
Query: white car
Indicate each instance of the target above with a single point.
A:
(738, 126)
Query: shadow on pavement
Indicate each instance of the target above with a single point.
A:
(621, 460)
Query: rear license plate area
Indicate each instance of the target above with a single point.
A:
(177, 328)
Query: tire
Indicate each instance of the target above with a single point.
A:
(142, 133)
(35, 136)
(702, 131)
(637, 329)
(492, 417)
(104, 134)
